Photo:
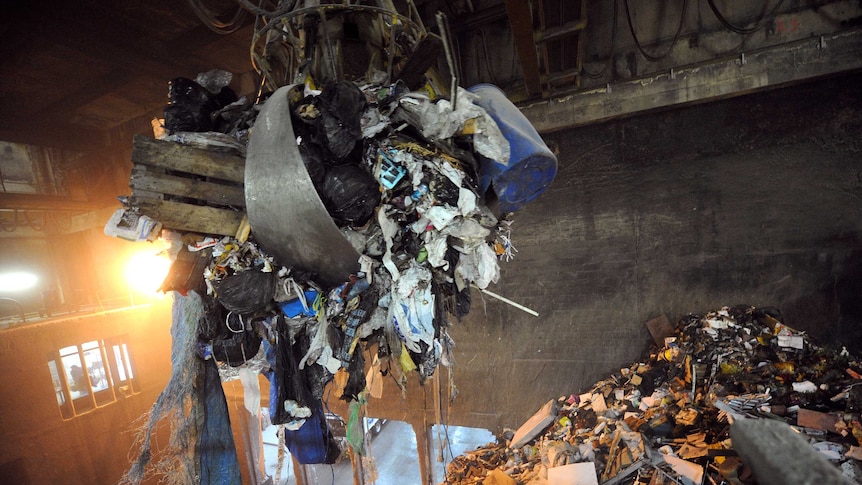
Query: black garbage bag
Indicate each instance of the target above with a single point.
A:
(341, 105)
(212, 326)
(313, 442)
(316, 376)
(462, 303)
(426, 361)
(291, 381)
(224, 97)
(444, 190)
(190, 107)
(237, 348)
(313, 159)
(246, 292)
(350, 194)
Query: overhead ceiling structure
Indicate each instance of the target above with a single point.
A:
(86, 76)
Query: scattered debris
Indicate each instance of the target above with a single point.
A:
(667, 420)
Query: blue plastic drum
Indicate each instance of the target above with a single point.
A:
(532, 166)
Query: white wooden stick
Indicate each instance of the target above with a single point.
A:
(506, 300)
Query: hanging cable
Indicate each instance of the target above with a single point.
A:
(282, 9)
(211, 20)
(759, 23)
(35, 224)
(613, 49)
(673, 42)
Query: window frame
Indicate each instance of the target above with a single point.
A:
(112, 361)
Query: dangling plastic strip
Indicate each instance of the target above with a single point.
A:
(241, 323)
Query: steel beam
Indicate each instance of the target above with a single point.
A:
(41, 202)
(759, 70)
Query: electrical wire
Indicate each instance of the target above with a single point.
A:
(211, 20)
(647, 55)
(759, 23)
(259, 11)
(613, 49)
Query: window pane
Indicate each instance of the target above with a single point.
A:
(128, 362)
(120, 364)
(90, 345)
(68, 350)
(75, 375)
(58, 384)
(95, 366)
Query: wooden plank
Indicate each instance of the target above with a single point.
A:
(143, 180)
(182, 158)
(423, 57)
(188, 217)
(521, 20)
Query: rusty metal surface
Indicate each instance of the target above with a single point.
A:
(286, 215)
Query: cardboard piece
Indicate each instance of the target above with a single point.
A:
(817, 420)
(659, 328)
(599, 404)
(498, 477)
(573, 474)
(791, 341)
(691, 473)
(536, 424)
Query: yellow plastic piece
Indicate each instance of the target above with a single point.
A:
(405, 360)
(469, 127)
(244, 229)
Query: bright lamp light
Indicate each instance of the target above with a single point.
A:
(146, 271)
(17, 281)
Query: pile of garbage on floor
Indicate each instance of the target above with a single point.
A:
(667, 420)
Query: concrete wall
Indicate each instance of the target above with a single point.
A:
(38, 445)
(753, 200)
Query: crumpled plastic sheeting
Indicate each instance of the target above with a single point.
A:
(479, 266)
(438, 121)
(411, 307)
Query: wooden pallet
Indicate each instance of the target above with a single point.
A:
(187, 189)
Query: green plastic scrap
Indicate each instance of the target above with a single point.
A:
(355, 433)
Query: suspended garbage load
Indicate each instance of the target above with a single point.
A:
(532, 165)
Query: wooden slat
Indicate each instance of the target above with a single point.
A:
(521, 21)
(143, 180)
(173, 156)
(190, 218)
(423, 57)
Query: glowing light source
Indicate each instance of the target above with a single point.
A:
(146, 271)
(17, 281)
